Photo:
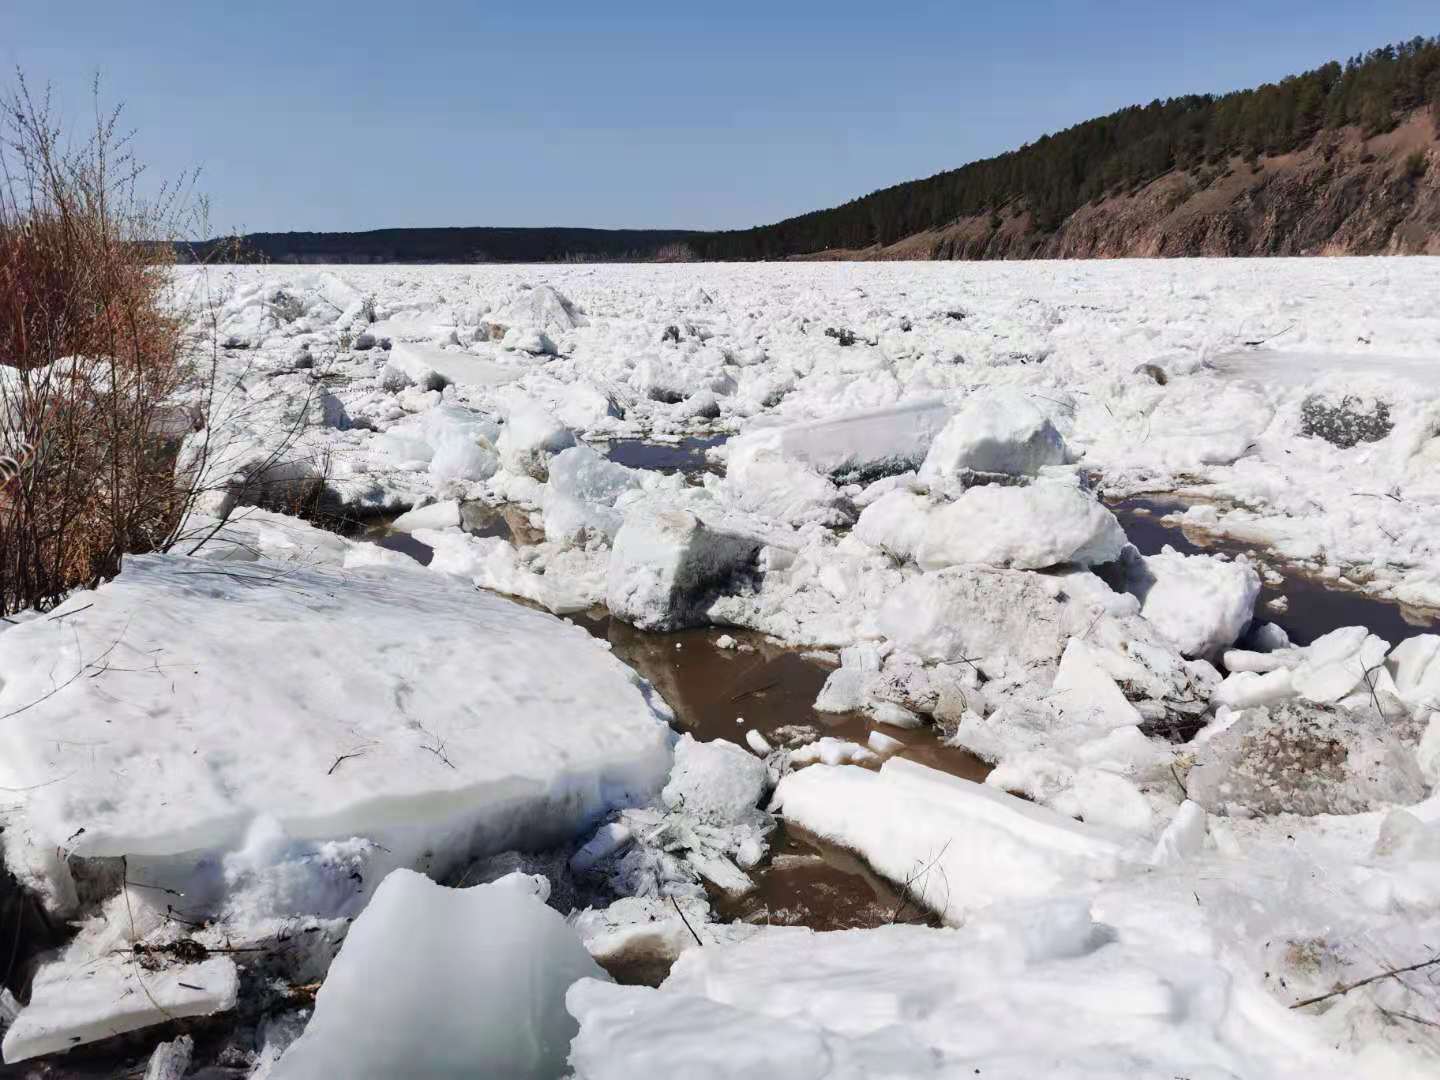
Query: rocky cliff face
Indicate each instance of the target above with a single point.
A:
(1343, 195)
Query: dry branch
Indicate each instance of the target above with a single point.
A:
(1390, 973)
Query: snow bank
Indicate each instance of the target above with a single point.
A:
(895, 523)
(128, 966)
(1414, 666)
(462, 445)
(707, 826)
(436, 982)
(170, 1060)
(760, 480)
(1295, 758)
(541, 307)
(1086, 693)
(249, 534)
(437, 515)
(1230, 417)
(1050, 675)
(829, 750)
(1003, 620)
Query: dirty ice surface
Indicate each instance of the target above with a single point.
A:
(1114, 799)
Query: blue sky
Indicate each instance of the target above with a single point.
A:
(353, 115)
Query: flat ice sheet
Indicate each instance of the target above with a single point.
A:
(163, 712)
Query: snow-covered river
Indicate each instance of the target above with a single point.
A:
(852, 695)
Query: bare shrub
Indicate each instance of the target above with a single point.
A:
(91, 356)
(125, 425)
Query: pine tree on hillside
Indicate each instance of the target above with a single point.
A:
(1057, 174)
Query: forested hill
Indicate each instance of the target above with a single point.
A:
(1020, 203)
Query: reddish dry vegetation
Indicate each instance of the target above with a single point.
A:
(90, 356)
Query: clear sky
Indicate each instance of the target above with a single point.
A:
(353, 115)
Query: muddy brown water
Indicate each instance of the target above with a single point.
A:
(506, 522)
(723, 693)
(1313, 606)
(808, 882)
(803, 881)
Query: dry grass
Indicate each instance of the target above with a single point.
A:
(90, 357)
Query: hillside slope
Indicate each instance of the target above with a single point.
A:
(1335, 159)
(1341, 195)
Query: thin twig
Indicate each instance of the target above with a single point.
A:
(1178, 782)
(439, 751)
(1374, 495)
(1396, 1013)
(1272, 337)
(1370, 683)
(905, 889)
(755, 690)
(67, 614)
(686, 921)
(84, 667)
(343, 757)
(1389, 974)
(157, 888)
(125, 875)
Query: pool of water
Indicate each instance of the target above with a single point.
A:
(688, 455)
(476, 518)
(1312, 606)
(382, 535)
(506, 522)
(808, 882)
(723, 693)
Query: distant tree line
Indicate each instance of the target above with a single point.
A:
(453, 245)
(1057, 174)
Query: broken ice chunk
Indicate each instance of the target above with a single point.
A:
(996, 431)
(1027, 528)
(474, 983)
(664, 562)
(715, 782)
(81, 998)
